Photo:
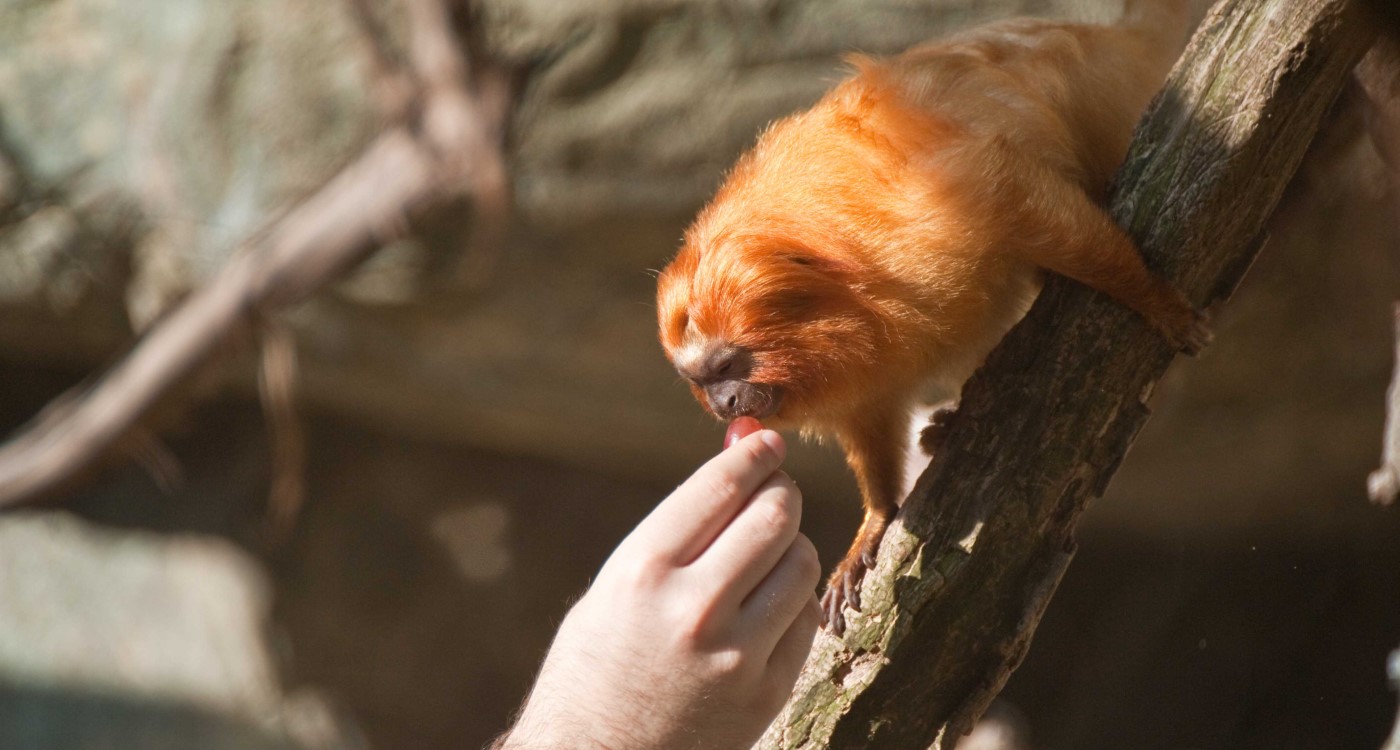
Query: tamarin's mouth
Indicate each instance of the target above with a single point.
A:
(731, 399)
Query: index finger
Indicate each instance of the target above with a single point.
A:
(686, 522)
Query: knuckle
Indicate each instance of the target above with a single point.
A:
(774, 514)
(693, 617)
(638, 573)
(726, 664)
(692, 633)
(721, 485)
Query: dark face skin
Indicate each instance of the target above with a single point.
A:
(720, 379)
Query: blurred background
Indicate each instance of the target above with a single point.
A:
(485, 421)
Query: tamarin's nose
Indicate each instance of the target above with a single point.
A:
(725, 397)
(717, 364)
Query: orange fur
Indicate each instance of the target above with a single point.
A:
(879, 244)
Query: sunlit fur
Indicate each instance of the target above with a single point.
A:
(883, 241)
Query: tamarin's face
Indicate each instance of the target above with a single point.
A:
(761, 325)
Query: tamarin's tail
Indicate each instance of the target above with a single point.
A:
(1165, 24)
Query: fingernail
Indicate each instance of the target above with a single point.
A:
(773, 440)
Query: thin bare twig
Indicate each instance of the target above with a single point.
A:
(277, 386)
(450, 152)
(1392, 670)
(1384, 483)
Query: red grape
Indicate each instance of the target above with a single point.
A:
(740, 429)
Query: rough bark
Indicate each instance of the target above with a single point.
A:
(978, 549)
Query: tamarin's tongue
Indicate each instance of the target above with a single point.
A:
(740, 429)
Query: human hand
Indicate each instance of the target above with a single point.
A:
(696, 627)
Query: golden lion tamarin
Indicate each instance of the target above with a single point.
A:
(874, 248)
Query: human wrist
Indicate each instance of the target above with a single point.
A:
(562, 713)
(527, 734)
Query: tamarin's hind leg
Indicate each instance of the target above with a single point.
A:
(843, 587)
(875, 452)
(844, 584)
(1068, 233)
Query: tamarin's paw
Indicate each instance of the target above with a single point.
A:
(1193, 334)
(842, 588)
(1167, 310)
(932, 438)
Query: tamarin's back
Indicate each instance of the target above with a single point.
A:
(1068, 93)
(1082, 95)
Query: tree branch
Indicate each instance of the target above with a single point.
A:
(978, 549)
(450, 151)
